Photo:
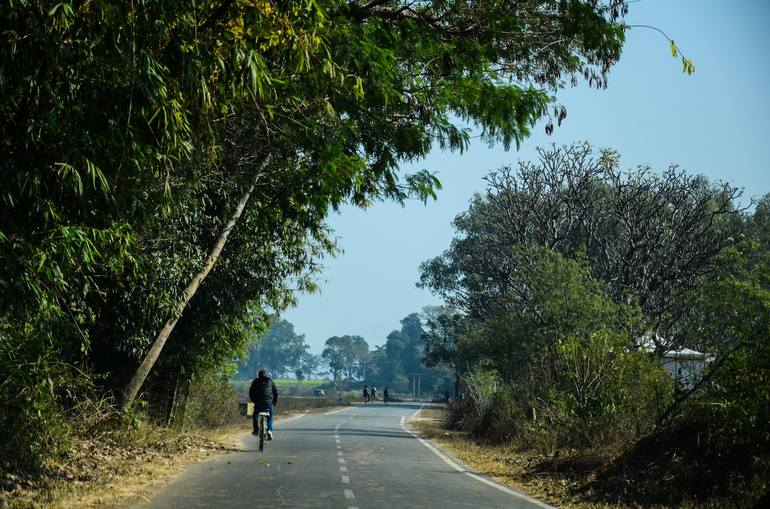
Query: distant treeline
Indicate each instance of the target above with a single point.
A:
(348, 360)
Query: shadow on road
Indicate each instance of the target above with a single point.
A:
(376, 432)
(407, 405)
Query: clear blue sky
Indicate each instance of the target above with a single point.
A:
(715, 123)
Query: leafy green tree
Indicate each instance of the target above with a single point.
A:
(729, 406)
(280, 351)
(306, 366)
(391, 370)
(558, 347)
(402, 357)
(142, 138)
(447, 342)
(358, 358)
(109, 134)
(346, 355)
(412, 350)
(335, 355)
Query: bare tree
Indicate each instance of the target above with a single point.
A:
(648, 235)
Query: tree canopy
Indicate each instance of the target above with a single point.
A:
(137, 135)
(648, 235)
(561, 273)
(281, 351)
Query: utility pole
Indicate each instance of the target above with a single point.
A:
(416, 385)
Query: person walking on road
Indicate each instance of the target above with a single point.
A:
(386, 396)
(374, 394)
(264, 394)
(366, 395)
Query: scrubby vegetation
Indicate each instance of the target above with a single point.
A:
(568, 284)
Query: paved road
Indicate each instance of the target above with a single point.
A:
(361, 457)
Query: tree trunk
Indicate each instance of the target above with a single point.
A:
(457, 385)
(139, 376)
(171, 407)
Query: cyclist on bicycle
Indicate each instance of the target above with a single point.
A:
(366, 394)
(374, 393)
(386, 396)
(264, 394)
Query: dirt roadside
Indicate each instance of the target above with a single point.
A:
(503, 464)
(569, 480)
(98, 473)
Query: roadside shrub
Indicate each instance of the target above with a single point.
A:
(732, 318)
(211, 402)
(487, 408)
(559, 368)
(601, 392)
(481, 391)
(36, 388)
(726, 419)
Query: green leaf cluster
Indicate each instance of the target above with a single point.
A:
(131, 129)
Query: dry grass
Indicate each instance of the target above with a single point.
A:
(105, 474)
(500, 463)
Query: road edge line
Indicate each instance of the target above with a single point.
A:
(293, 417)
(417, 412)
(338, 410)
(446, 459)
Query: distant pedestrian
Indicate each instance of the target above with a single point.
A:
(374, 394)
(366, 395)
(386, 396)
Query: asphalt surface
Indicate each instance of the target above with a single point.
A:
(360, 457)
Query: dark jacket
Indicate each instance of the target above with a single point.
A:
(263, 390)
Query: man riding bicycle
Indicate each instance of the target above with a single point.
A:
(264, 394)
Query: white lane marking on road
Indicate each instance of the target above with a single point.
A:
(293, 417)
(417, 412)
(339, 453)
(337, 440)
(339, 446)
(345, 479)
(343, 469)
(403, 418)
(349, 494)
(338, 411)
(352, 507)
(337, 428)
(341, 460)
(457, 467)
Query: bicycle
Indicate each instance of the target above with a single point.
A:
(262, 429)
(247, 410)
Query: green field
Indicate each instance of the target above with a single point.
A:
(292, 382)
(285, 385)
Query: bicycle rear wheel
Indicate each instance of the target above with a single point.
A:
(262, 432)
